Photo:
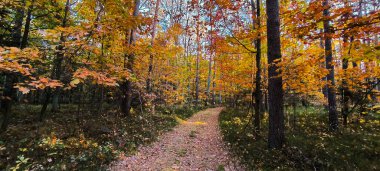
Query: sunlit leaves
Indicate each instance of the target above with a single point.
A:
(95, 77)
(14, 60)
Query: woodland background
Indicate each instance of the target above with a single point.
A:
(85, 81)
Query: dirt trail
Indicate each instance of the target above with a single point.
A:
(195, 144)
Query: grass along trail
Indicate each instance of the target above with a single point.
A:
(195, 144)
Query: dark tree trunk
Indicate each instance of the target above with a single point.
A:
(57, 68)
(333, 116)
(210, 60)
(45, 104)
(9, 92)
(126, 99)
(257, 93)
(17, 28)
(55, 100)
(345, 90)
(59, 59)
(198, 58)
(24, 41)
(276, 137)
(265, 102)
(324, 88)
(213, 85)
(150, 71)
(7, 99)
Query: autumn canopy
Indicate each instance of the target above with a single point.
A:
(85, 59)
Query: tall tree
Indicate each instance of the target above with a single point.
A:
(57, 66)
(333, 115)
(28, 20)
(198, 54)
(257, 93)
(345, 90)
(10, 78)
(7, 99)
(276, 137)
(210, 55)
(17, 28)
(126, 87)
(151, 57)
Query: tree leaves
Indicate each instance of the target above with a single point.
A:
(74, 82)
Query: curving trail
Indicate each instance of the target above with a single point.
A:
(195, 144)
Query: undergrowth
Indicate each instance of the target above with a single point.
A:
(309, 145)
(71, 140)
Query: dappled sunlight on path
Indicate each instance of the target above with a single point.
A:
(195, 144)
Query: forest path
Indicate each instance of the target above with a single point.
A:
(195, 144)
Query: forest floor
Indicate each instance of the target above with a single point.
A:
(82, 140)
(195, 144)
(309, 144)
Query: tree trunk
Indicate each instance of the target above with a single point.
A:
(151, 57)
(57, 68)
(45, 104)
(257, 93)
(346, 94)
(211, 55)
(209, 80)
(126, 87)
(55, 101)
(324, 88)
(126, 101)
(276, 137)
(17, 28)
(198, 58)
(7, 99)
(24, 41)
(59, 59)
(10, 78)
(213, 85)
(333, 116)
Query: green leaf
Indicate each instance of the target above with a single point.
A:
(74, 82)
